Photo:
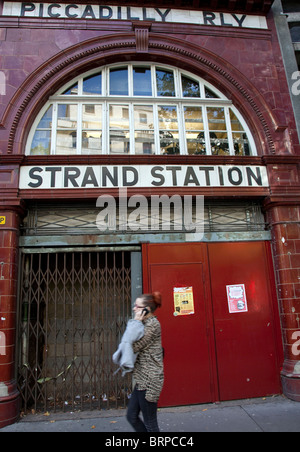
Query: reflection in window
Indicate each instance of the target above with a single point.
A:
(241, 144)
(91, 129)
(73, 90)
(66, 142)
(119, 82)
(168, 130)
(92, 85)
(67, 116)
(194, 130)
(165, 83)
(217, 131)
(190, 88)
(119, 129)
(240, 141)
(144, 129)
(41, 143)
(142, 85)
(66, 137)
(209, 94)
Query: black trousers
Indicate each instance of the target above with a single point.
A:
(137, 404)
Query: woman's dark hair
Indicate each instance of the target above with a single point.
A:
(151, 300)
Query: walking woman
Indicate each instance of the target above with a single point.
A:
(148, 370)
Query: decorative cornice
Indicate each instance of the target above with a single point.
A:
(142, 30)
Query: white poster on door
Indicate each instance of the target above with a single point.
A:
(236, 296)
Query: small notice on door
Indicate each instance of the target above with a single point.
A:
(236, 296)
(183, 301)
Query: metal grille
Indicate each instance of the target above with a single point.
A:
(74, 307)
(218, 217)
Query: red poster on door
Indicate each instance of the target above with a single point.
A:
(236, 296)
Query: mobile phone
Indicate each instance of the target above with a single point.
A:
(145, 311)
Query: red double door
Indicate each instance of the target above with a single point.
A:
(214, 354)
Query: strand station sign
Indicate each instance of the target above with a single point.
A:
(105, 12)
(141, 176)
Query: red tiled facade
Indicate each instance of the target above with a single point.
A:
(10, 404)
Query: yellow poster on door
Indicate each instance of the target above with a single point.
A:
(183, 301)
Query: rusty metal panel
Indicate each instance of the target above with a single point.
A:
(74, 307)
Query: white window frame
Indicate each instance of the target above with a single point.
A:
(105, 99)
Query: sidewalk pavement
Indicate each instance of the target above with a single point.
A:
(270, 414)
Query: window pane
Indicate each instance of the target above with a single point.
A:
(73, 90)
(119, 142)
(67, 116)
(142, 81)
(41, 143)
(196, 143)
(168, 130)
(66, 142)
(119, 129)
(190, 88)
(165, 83)
(91, 116)
(143, 117)
(216, 118)
(241, 144)
(235, 123)
(167, 116)
(209, 94)
(92, 85)
(91, 142)
(193, 118)
(194, 130)
(144, 129)
(144, 142)
(219, 143)
(119, 117)
(119, 82)
(46, 121)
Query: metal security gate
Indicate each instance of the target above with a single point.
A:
(73, 310)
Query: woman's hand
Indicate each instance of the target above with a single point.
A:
(140, 315)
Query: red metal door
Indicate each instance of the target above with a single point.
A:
(188, 370)
(247, 355)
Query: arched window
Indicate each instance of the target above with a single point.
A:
(139, 109)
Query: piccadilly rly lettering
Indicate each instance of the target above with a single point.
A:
(56, 10)
(66, 177)
(103, 12)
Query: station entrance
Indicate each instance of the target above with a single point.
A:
(73, 312)
(76, 290)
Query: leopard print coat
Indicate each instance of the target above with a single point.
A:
(148, 371)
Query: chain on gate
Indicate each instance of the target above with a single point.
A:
(73, 311)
